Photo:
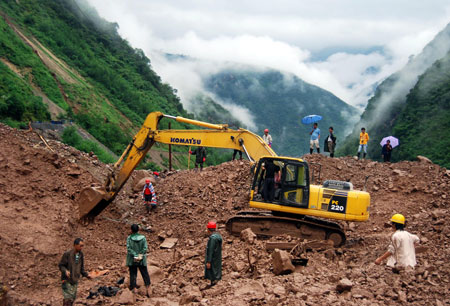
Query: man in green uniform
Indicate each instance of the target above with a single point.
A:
(72, 268)
(137, 257)
(213, 260)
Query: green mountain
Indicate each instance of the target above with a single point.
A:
(412, 105)
(60, 60)
(423, 125)
(278, 101)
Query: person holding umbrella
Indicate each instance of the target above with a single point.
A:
(386, 151)
(315, 137)
(315, 133)
(388, 143)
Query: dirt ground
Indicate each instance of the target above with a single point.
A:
(39, 221)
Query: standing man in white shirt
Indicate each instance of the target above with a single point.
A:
(315, 137)
(267, 138)
(401, 252)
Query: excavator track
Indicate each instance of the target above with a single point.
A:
(267, 225)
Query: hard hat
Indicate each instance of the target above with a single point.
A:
(266, 130)
(147, 181)
(398, 218)
(211, 225)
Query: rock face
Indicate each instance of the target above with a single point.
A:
(281, 262)
(248, 235)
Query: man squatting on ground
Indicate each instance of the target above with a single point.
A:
(71, 266)
(401, 252)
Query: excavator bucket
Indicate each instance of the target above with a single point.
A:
(92, 201)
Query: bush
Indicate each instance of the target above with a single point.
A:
(71, 137)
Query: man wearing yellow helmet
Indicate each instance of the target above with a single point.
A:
(401, 251)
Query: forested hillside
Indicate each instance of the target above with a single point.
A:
(60, 60)
(278, 102)
(424, 123)
(412, 105)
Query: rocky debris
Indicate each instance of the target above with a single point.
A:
(126, 297)
(192, 294)
(156, 274)
(247, 235)
(281, 261)
(168, 243)
(251, 291)
(189, 199)
(159, 301)
(344, 285)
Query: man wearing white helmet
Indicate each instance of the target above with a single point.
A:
(401, 251)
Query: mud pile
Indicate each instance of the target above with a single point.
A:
(38, 222)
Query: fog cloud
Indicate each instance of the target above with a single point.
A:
(371, 39)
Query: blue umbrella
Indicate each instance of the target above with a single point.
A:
(311, 119)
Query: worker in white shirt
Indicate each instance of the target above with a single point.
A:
(401, 251)
(267, 138)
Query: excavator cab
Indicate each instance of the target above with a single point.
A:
(289, 185)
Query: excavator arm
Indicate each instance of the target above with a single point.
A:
(92, 201)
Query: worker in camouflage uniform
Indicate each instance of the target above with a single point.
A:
(213, 259)
(72, 268)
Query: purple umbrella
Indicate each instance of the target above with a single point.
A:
(394, 141)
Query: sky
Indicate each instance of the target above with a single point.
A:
(345, 47)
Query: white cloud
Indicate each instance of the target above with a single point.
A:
(283, 35)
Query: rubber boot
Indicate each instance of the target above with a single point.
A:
(364, 156)
(310, 151)
(318, 150)
(67, 302)
(358, 155)
(332, 155)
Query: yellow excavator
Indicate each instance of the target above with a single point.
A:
(293, 207)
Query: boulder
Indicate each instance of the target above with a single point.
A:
(279, 290)
(281, 262)
(160, 301)
(344, 285)
(253, 290)
(248, 235)
(424, 159)
(126, 298)
(238, 266)
(192, 294)
(137, 187)
(156, 274)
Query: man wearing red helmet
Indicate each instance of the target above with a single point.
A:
(213, 259)
(149, 195)
(267, 138)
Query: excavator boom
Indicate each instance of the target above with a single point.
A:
(92, 201)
